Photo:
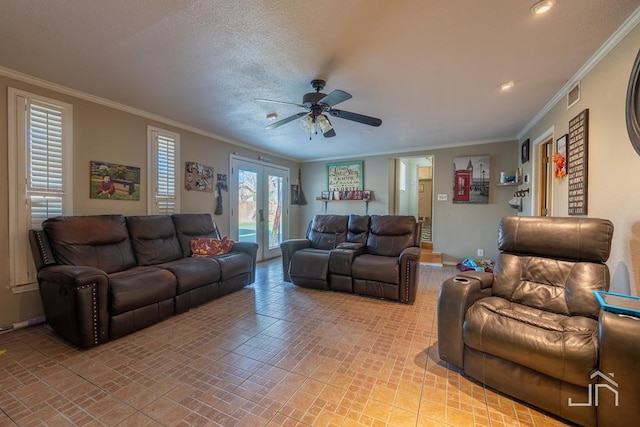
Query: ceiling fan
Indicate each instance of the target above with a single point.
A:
(317, 105)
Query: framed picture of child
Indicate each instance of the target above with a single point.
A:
(111, 181)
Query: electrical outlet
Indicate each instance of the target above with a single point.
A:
(480, 252)
(442, 197)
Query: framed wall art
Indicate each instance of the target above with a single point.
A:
(471, 177)
(524, 151)
(198, 177)
(113, 181)
(344, 176)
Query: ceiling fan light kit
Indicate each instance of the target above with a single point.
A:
(317, 105)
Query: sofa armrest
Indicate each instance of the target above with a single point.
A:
(288, 247)
(409, 261)
(251, 249)
(619, 354)
(75, 301)
(457, 294)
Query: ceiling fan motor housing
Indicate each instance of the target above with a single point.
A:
(312, 97)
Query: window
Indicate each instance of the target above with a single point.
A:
(40, 169)
(163, 149)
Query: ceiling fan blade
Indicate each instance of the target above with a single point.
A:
(280, 102)
(334, 98)
(285, 121)
(355, 117)
(330, 133)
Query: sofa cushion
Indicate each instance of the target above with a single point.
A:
(577, 239)
(376, 267)
(358, 228)
(193, 226)
(391, 234)
(563, 347)
(100, 241)
(328, 231)
(558, 286)
(233, 264)
(192, 272)
(138, 287)
(153, 238)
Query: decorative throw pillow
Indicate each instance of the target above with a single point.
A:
(208, 246)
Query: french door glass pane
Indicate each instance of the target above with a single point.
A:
(276, 188)
(247, 205)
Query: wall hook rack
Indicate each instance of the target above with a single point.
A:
(521, 193)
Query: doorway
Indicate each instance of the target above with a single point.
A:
(259, 205)
(546, 178)
(414, 192)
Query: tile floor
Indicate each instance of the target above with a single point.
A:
(271, 354)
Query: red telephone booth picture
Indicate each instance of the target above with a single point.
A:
(462, 185)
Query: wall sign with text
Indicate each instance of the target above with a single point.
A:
(344, 176)
(577, 162)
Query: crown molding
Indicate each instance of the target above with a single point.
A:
(628, 25)
(26, 78)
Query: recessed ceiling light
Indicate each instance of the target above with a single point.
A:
(272, 116)
(507, 85)
(542, 7)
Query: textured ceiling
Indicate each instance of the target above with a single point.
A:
(430, 70)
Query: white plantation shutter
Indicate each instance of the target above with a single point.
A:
(163, 147)
(45, 164)
(40, 147)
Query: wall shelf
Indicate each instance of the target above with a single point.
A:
(325, 201)
(509, 184)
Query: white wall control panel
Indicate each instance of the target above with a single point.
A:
(442, 197)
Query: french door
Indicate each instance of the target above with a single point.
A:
(259, 205)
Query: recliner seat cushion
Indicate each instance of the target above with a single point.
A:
(376, 267)
(138, 287)
(233, 264)
(563, 347)
(192, 273)
(310, 264)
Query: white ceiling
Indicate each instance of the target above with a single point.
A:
(430, 70)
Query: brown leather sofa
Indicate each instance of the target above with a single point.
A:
(105, 276)
(376, 255)
(534, 330)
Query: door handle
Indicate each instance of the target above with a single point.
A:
(261, 213)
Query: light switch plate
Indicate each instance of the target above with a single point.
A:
(442, 197)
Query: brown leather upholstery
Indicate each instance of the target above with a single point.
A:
(104, 276)
(369, 255)
(530, 329)
(100, 241)
(328, 231)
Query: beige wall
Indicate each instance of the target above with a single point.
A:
(458, 229)
(614, 166)
(107, 134)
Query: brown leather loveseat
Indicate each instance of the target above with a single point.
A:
(104, 276)
(375, 255)
(534, 329)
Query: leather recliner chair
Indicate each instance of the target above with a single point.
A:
(532, 329)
